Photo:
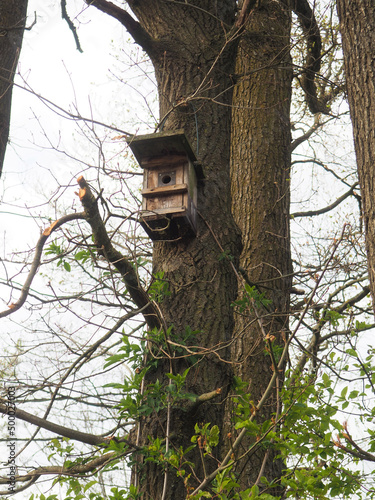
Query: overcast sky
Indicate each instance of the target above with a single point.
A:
(52, 67)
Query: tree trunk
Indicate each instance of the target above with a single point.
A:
(357, 26)
(12, 24)
(260, 170)
(195, 66)
(202, 285)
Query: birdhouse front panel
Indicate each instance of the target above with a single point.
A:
(169, 193)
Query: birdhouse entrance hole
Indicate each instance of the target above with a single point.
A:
(167, 179)
(170, 179)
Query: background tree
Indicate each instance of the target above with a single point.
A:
(12, 24)
(358, 39)
(201, 413)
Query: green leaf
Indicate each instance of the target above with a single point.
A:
(353, 394)
(89, 484)
(351, 352)
(251, 426)
(326, 380)
(344, 391)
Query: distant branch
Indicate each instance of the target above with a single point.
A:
(324, 210)
(304, 137)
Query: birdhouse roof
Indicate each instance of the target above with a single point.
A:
(160, 144)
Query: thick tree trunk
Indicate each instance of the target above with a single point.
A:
(12, 24)
(202, 285)
(195, 63)
(260, 169)
(357, 25)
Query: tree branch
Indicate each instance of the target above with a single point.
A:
(311, 31)
(36, 261)
(12, 19)
(84, 357)
(60, 470)
(358, 452)
(350, 302)
(67, 432)
(134, 28)
(302, 138)
(105, 248)
(64, 113)
(22, 488)
(333, 205)
(247, 6)
(65, 16)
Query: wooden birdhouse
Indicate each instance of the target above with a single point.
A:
(169, 194)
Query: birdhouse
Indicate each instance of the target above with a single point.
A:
(169, 194)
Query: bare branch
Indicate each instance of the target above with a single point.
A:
(353, 300)
(83, 437)
(271, 383)
(36, 261)
(65, 16)
(105, 248)
(324, 210)
(13, 18)
(74, 470)
(22, 488)
(247, 6)
(139, 35)
(63, 112)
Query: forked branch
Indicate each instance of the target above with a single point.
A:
(75, 470)
(36, 261)
(123, 266)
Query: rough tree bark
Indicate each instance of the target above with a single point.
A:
(189, 71)
(260, 170)
(197, 64)
(357, 26)
(12, 25)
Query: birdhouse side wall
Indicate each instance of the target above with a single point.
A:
(191, 181)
